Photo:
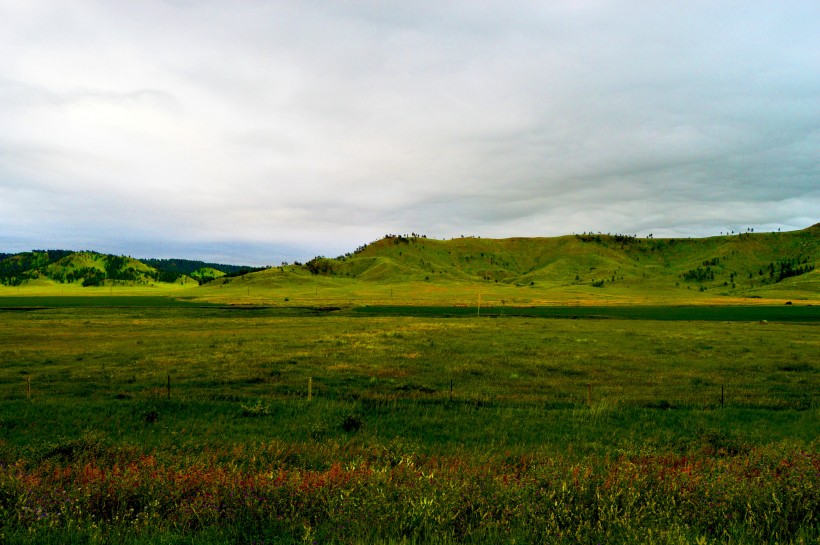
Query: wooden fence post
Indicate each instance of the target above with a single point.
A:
(310, 388)
(28, 388)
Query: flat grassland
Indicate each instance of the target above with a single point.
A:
(151, 420)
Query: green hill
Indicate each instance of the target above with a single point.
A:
(745, 262)
(84, 268)
(16, 269)
(601, 267)
(415, 269)
(204, 275)
(61, 267)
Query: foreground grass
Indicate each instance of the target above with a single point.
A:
(419, 429)
(393, 494)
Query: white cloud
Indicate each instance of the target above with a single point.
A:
(325, 125)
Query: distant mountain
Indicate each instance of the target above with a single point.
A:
(187, 266)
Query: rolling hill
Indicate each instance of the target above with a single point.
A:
(741, 262)
(419, 270)
(588, 268)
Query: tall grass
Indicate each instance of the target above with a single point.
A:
(393, 493)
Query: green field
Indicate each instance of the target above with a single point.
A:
(778, 313)
(11, 303)
(149, 420)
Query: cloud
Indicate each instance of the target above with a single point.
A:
(322, 125)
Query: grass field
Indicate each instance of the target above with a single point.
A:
(778, 313)
(149, 420)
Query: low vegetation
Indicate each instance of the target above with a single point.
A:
(189, 423)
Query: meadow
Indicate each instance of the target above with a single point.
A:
(166, 421)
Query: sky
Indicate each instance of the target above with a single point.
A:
(256, 132)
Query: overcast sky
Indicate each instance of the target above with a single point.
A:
(262, 131)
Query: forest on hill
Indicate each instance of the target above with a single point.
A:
(94, 269)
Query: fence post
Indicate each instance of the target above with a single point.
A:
(589, 394)
(721, 396)
(310, 388)
(28, 388)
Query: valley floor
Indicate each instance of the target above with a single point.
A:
(160, 420)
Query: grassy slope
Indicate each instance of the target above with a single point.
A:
(515, 271)
(91, 260)
(206, 274)
(655, 263)
(78, 261)
(525, 271)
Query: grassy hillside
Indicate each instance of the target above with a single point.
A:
(748, 261)
(523, 271)
(206, 274)
(41, 269)
(16, 269)
(577, 269)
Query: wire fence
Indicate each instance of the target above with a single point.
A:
(771, 396)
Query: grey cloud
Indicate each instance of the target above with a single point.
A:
(22, 95)
(322, 122)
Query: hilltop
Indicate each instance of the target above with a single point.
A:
(412, 269)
